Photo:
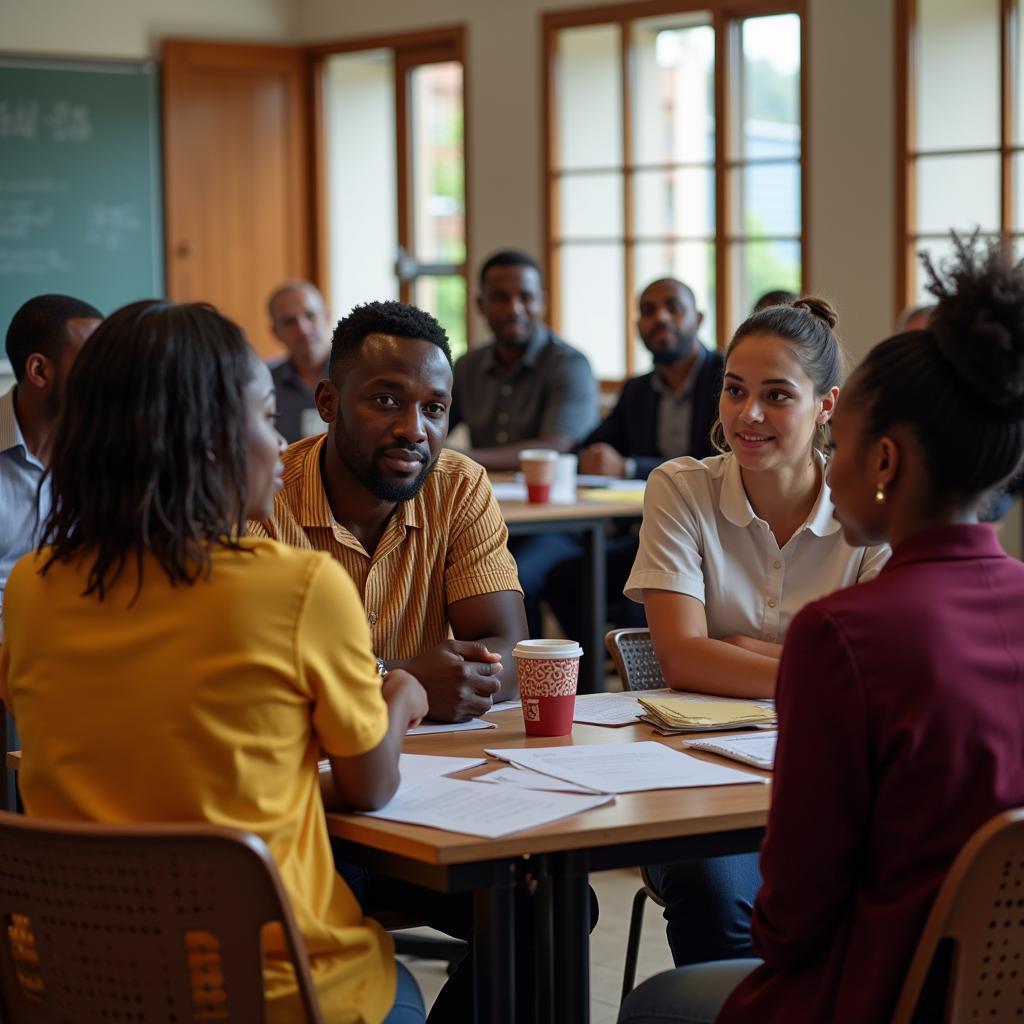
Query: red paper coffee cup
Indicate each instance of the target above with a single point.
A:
(538, 466)
(548, 671)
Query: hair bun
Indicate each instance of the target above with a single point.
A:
(820, 308)
(978, 324)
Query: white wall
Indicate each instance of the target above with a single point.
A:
(133, 29)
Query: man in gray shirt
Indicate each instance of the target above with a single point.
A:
(299, 321)
(527, 388)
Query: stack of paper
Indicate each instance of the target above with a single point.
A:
(525, 778)
(466, 807)
(669, 715)
(622, 767)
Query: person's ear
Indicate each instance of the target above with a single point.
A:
(886, 456)
(39, 371)
(699, 319)
(827, 406)
(326, 398)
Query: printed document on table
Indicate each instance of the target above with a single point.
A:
(757, 749)
(526, 779)
(429, 728)
(606, 709)
(505, 705)
(624, 767)
(434, 765)
(467, 807)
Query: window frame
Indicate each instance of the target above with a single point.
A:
(908, 239)
(410, 50)
(726, 16)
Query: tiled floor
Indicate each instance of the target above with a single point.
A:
(615, 891)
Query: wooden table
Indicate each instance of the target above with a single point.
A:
(588, 518)
(638, 828)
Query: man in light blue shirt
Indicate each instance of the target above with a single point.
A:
(43, 339)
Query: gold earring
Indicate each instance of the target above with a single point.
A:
(880, 494)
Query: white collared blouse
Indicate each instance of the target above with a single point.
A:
(701, 537)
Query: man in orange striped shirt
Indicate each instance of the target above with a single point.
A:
(415, 525)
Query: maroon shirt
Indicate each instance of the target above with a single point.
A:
(901, 731)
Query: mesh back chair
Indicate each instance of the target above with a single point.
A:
(638, 668)
(635, 661)
(979, 911)
(155, 923)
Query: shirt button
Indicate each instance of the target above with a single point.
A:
(776, 565)
(506, 389)
(372, 618)
(502, 437)
(771, 602)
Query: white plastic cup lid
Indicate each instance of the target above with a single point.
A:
(538, 455)
(547, 649)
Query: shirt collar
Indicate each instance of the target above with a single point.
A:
(315, 509)
(735, 505)
(686, 389)
(11, 436)
(948, 543)
(529, 358)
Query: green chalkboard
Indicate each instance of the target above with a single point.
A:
(80, 189)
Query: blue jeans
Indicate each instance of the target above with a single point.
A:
(408, 1008)
(708, 903)
(687, 995)
(535, 557)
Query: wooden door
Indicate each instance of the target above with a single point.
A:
(237, 176)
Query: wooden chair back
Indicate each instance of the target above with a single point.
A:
(634, 658)
(980, 909)
(154, 923)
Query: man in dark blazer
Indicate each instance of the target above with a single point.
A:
(661, 415)
(670, 411)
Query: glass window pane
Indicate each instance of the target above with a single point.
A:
(362, 224)
(759, 267)
(1018, 192)
(680, 202)
(957, 73)
(674, 97)
(959, 192)
(769, 199)
(693, 263)
(769, 93)
(590, 206)
(589, 97)
(592, 283)
(940, 250)
(445, 298)
(438, 194)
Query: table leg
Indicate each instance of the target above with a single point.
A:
(494, 994)
(572, 940)
(543, 951)
(595, 610)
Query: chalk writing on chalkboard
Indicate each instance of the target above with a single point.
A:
(59, 121)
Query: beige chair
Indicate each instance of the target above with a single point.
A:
(638, 668)
(979, 911)
(155, 923)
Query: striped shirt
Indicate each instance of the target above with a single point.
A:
(446, 544)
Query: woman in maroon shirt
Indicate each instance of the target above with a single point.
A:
(901, 701)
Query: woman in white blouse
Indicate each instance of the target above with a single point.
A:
(731, 548)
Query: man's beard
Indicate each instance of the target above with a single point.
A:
(684, 347)
(395, 490)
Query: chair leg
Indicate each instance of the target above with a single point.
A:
(636, 923)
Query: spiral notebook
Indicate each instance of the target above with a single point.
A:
(757, 749)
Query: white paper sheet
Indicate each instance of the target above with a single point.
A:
(505, 705)
(429, 728)
(467, 807)
(526, 779)
(606, 709)
(756, 748)
(433, 765)
(624, 767)
(509, 490)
